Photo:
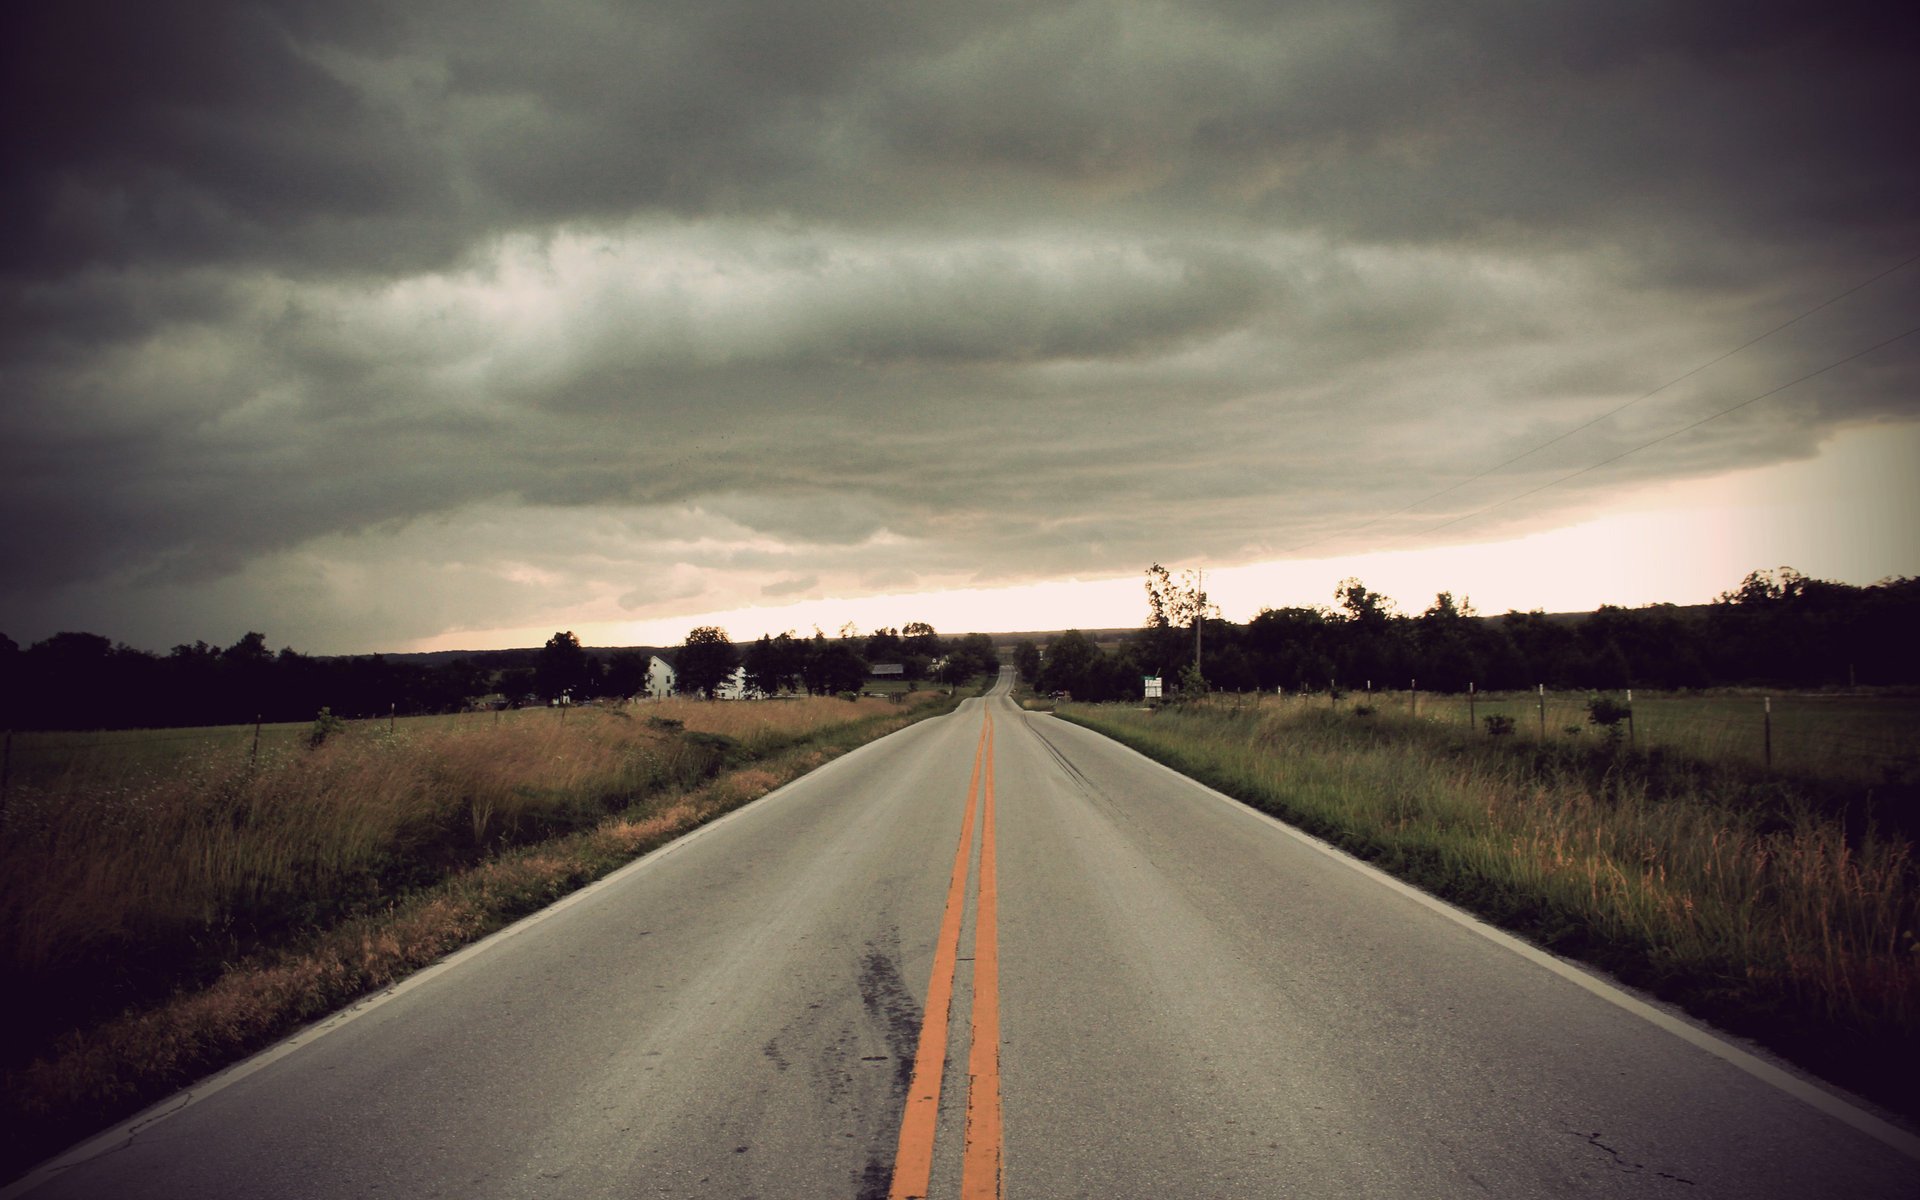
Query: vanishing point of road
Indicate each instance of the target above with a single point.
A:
(998, 955)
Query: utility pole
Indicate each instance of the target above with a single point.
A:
(1199, 614)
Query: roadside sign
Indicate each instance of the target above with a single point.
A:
(1151, 685)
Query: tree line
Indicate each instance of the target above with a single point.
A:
(85, 681)
(1778, 628)
(822, 666)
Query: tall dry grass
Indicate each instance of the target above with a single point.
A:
(159, 923)
(1758, 911)
(119, 882)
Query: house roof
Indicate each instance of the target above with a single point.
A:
(888, 669)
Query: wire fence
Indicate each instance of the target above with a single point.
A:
(1868, 739)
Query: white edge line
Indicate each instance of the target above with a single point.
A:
(120, 1135)
(1876, 1127)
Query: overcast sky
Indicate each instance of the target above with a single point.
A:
(376, 326)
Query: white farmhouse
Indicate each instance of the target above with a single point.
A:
(660, 679)
(734, 687)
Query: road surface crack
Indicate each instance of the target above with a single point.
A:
(1628, 1166)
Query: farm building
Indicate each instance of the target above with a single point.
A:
(734, 687)
(660, 679)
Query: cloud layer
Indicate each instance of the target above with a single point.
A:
(369, 322)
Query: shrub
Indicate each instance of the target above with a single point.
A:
(325, 725)
(1608, 713)
(1499, 725)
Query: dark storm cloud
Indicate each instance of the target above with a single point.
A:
(633, 299)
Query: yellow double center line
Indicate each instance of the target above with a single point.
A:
(980, 1162)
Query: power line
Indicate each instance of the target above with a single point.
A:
(1673, 434)
(1500, 466)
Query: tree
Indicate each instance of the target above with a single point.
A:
(626, 673)
(1026, 660)
(1172, 606)
(884, 645)
(774, 664)
(1365, 607)
(789, 662)
(971, 655)
(1446, 634)
(515, 683)
(920, 639)
(705, 660)
(1072, 665)
(834, 667)
(562, 667)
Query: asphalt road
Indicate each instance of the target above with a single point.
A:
(1190, 1001)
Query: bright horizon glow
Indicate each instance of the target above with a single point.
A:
(1847, 514)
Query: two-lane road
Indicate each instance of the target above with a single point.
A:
(1149, 991)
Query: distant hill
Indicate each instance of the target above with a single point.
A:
(1003, 642)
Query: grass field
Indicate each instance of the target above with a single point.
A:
(1757, 899)
(170, 901)
(1862, 739)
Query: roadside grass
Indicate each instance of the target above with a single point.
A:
(1863, 739)
(1775, 909)
(157, 924)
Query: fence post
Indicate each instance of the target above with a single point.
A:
(1766, 721)
(1543, 713)
(1413, 697)
(1329, 693)
(253, 756)
(1471, 724)
(393, 706)
(1629, 716)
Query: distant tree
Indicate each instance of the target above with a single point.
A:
(516, 684)
(705, 660)
(834, 667)
(1172, 603)
(563, 666)
(788, 663)
(1289, 647)
(1446, 635)
(970, 656)
(1365, 607)
(1026, 660)
(626, 673)
(762, 661)
(1174, 607)
(1072, 664)
(921, 639)
(884, 645)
